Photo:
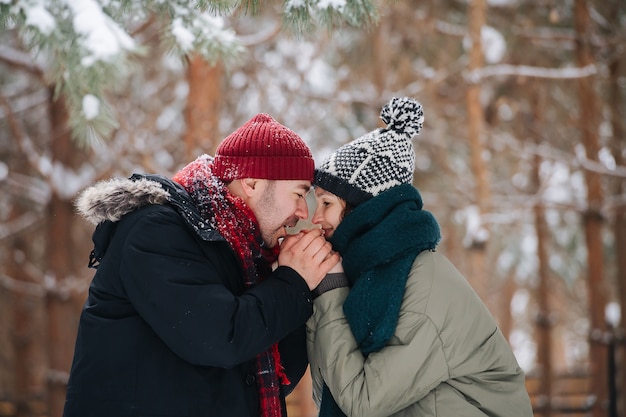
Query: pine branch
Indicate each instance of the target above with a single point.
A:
(20, 60)
(83, 67)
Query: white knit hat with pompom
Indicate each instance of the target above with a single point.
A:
(378, 160)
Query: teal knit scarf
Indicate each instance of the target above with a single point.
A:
(378, 242)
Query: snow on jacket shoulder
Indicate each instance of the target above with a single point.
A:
(446, 358)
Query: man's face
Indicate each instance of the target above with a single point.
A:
(279, 204)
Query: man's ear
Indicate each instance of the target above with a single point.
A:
(249, 186)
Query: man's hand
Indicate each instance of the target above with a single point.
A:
(309, 254)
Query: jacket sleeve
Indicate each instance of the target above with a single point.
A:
(385, 382)
(316, 377)
(182, 294)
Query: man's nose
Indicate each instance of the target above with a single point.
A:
(302, 211)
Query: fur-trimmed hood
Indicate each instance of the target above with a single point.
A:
(111, 199)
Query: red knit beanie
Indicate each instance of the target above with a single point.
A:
(263, 148)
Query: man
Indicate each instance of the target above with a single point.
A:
(185, 316)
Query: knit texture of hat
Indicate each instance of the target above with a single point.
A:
(263, 148)
(378, 160)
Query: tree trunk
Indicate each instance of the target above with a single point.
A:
(506, 293)
(380, 57)
(475, 114)
(29, 348)
(618, 144)
(300, 402)
(619, 228)
(543, 322)
(60, 257)
(592, 219)
(202, 110)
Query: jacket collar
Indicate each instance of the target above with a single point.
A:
(109, 201)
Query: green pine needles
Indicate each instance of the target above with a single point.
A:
(85, 48)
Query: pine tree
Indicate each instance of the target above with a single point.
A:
(86, 47)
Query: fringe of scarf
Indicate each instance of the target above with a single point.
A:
(378, 242)
(236, 222)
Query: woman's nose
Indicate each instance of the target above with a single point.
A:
(317, 217)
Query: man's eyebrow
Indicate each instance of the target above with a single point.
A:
(306, 188)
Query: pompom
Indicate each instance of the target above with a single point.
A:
(403, 115)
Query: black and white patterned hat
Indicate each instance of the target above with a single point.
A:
(378, 160)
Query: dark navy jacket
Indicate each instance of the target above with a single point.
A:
(168, 328)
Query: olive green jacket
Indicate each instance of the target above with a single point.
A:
(447, 357)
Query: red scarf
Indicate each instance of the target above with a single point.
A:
(236, 222)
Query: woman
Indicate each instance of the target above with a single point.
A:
(401, 332)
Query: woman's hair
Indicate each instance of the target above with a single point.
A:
(347, 209)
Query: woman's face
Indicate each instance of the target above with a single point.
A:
(329, 211)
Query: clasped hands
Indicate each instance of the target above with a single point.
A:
(309, 254)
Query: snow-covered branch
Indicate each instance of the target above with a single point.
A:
(21, 287)
(451, 29)
(17, 225)
(527, 71)
(547, 34)
(22, 60)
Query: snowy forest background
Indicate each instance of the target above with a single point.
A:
(521, 159)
